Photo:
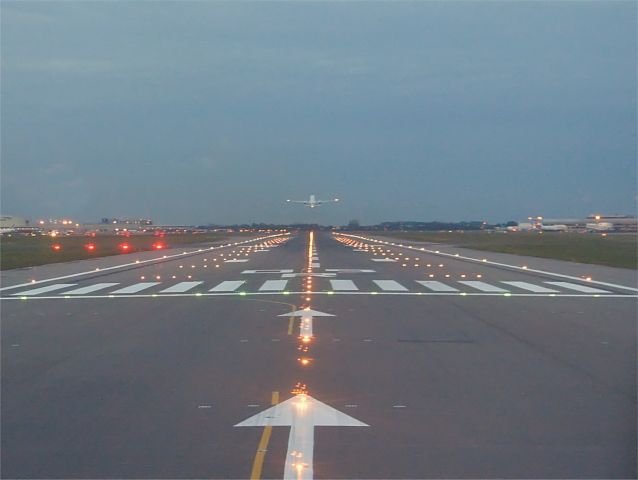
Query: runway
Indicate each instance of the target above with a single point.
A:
(398, 363)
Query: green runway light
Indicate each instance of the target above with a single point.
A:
(198, 294)
(23, 298)
(67, 296)
(331, 293)
(243, 294)
(463, 294)
(154, 295)
(373, 293)
(286, 293)
(507, 294)
(552, 294)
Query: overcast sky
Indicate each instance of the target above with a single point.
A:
(219, 111)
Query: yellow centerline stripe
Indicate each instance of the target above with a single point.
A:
(291, 324)
(262, 448)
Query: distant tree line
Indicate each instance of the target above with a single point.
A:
(420, 226)
(354, 225)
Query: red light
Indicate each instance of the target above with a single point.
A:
(57, 247)
(125, 247)
(158, 246)
(90, 247)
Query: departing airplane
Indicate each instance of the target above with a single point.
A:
(312, 202)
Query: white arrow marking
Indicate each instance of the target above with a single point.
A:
(304, 313)
(305, 327)
(302, 413)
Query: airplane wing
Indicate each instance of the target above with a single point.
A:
(319, 202)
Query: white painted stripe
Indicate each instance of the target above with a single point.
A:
(181, 287)
(236, 260)
(315, 265)
(343, 285)
(390, 285)
(531, 287)
(437, 286)
(287, 270)
(577, 287)
(49, 288)
(273, 285)
(482, 286)
(89, 289)
(292, 275)
(228, 286)
(383, 260)
(138, 287)
(349, 270)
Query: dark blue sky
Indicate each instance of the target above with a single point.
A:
(219, 111)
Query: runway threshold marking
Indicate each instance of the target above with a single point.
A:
(49, 288)
(262, 448)
(227, 286)
(90, 289)
(64, 297)
(138, 287)
(577, 287)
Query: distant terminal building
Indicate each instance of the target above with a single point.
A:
(9, 221)
(127, 221)
(10, 224)
(116, 225)
(593, 222)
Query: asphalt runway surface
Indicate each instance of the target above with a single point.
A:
(479, 371)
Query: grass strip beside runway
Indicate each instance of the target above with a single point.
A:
(612, 250)
(27, 251)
